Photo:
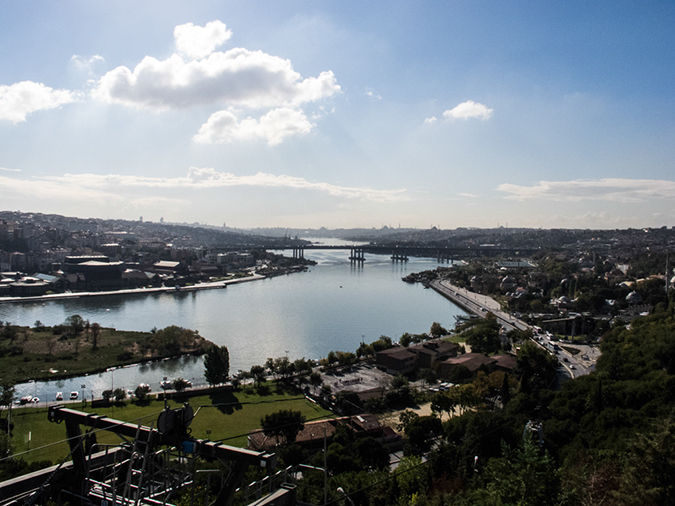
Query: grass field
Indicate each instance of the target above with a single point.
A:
(229, 417)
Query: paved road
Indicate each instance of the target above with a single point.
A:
(574, 364)
(477, 304)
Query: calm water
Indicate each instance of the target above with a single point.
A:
(333, 306)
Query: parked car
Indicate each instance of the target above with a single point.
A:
(73, 396)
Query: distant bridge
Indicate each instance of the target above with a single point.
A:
(401, 252)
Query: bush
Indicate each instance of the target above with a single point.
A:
(125, 355)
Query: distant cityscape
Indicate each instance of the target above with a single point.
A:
(46, 252)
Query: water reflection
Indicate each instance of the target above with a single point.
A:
(333, 307)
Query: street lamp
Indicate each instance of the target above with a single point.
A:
(344, 494)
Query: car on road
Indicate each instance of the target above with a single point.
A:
(35, 400)
(73, 396)
(59, 396)
(572, 367)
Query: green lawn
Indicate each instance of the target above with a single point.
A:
(229, 416)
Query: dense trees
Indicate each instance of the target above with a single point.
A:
(483, 334)
(536, 368)
(284, 424)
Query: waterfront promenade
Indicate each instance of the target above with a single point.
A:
(161, 289)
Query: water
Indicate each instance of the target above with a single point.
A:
(333, 306)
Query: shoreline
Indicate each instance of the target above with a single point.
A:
(131, 291)
(58, 376)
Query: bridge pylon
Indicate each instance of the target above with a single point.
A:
(444, 256)
(357, 255)
(399, 256)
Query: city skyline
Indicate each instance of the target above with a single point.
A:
(309, 114)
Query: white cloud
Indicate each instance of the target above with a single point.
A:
(237, 77)
(23, 98)
(374, 96)
(196, 42)
(43, 189)
(10, 170)
(430, 121)
(468, 110)
(608, 189)
(273, 127)
(87, 64)
(199, 179)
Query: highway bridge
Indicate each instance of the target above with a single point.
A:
(401, 252)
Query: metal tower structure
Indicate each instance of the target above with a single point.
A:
(151, 466)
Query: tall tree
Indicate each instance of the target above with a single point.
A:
(437, 330)
(316, 380)
(95, 332)
(258, 373)
(7, 392)
(75, 324)
(217, 365)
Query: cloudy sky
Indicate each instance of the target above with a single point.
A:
(341, 114)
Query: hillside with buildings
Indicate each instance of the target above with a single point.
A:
(42, 253)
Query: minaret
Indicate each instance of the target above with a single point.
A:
(667, 273)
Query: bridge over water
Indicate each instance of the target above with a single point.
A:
(402, 252)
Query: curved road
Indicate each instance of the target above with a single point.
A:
(574, 365)
(477, 304)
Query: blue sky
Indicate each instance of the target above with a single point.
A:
(341, 114)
